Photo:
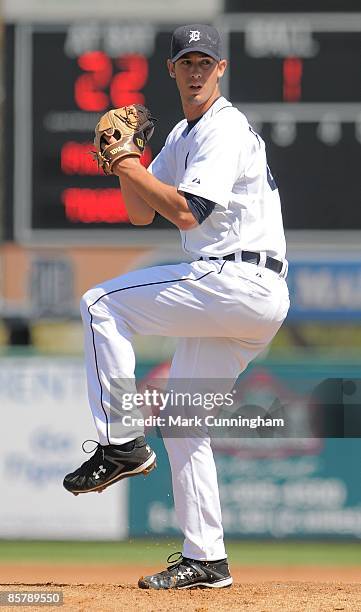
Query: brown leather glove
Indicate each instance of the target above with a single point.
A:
(131, 126)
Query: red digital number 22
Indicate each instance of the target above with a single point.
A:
(124, 86)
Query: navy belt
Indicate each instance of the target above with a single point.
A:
(254, 258)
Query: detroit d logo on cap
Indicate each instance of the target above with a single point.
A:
(194, 35)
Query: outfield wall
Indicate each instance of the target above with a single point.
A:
(280, 487)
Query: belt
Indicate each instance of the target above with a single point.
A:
(250, 257)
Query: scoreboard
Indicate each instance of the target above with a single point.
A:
(65, 78)
(297, 77)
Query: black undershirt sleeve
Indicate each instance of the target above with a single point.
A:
(200, 207)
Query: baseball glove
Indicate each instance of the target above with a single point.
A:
(132, 126)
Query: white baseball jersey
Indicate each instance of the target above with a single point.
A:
(222, 159)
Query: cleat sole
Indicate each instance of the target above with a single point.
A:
(226, 582)
(150, 468)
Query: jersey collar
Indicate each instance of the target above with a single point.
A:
(217, 105)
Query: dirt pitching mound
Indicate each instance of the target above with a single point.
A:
(256, 589)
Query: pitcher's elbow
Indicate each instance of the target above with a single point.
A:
(186, 222)
(141, 220)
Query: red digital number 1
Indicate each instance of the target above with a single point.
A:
(292, 76)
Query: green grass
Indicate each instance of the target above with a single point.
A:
(156, 551)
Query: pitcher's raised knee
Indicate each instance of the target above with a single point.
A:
(91, 300)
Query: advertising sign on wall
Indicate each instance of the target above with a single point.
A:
(283, 485)
(325, 290)
(45, 419)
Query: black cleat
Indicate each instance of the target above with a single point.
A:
(109, 464)
(189, 573)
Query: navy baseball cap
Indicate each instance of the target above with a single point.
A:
(195, 37)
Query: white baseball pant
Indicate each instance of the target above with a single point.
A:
(224, 314)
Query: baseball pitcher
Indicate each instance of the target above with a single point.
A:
(212, 181)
